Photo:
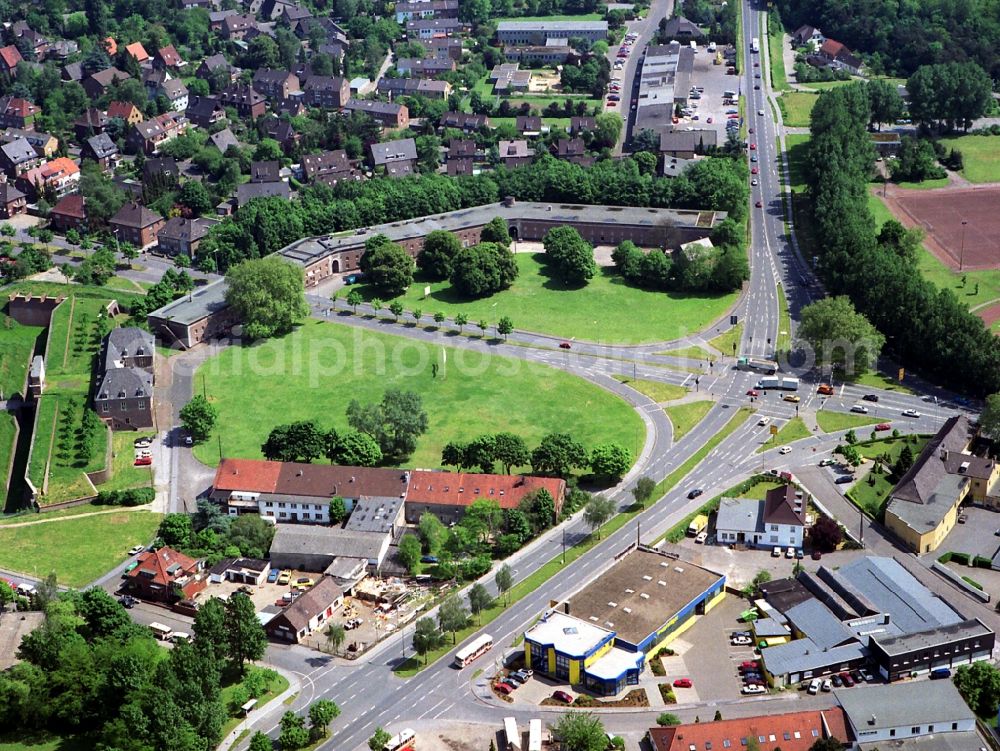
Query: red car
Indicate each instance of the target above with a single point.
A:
(754, 170)
(753, 147)
(143, 461)
(752, 392)
(760, 205)
(562, 696)
(504, 688)
(749, 665)
(846, 678)
(883, 426)
(682, 683)
(564, 345)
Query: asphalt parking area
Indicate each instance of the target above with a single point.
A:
(976, 537)
(715, 81)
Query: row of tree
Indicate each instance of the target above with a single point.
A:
(722, 269)
(927, 329)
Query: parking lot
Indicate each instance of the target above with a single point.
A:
(715, 82)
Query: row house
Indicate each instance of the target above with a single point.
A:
(18, 156)
(204, 111)
(62, 175)
(16, 112)
(44, 144)
(461, 156)
(428, 28)
(443, 47)
(464, 121)
(12, 201)
(127, 111)
(387, 114)
(275, 84)
(249, 104)
(407, 11)
(147, 137)
(182, 236)
(326, 92)
(394, 87)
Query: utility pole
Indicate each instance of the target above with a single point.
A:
(961, 255)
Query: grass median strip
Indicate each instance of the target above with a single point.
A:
(685, 416)
(655, 390)
(831, 422)
(793, 430)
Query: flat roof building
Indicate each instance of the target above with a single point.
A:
(664, 80)
(538, 32)
(892, 713)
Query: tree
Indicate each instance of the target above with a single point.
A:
(510, 450)
(417, 314)
(505, 326)
(903, 462)
(504, 579)
(827, 744)
(461, 320)
(335, 635)
(439, 318)
(540, 507)
(297, 442)
(209, 628)
(387, 266)
(825, 534)
(293, 733)
(176, 530)
(979, 685)
(395, 423)
(643, 490)
(557, 454)
(840, 336)
(989, 419)
(666, 719)
(851, 437)
(949, 93)
(354, 299)
(597, 511)
(245, 636)
(268, 295)
(496, 231)
(452, 616)
(485, 511)
(480, 270)
(610, 461)
(570, 255)
(607, 129)
(426, 636)
(96, 269)
(337, 510)
(432, 532)
(438, 253)
(379, 740)
(409, 553)
(581, 731)
(195, 196)
(885, 102)
(251, 535)
(321, 713)
(260, 742)
(479, 600)
(352, 448)
(396, 308)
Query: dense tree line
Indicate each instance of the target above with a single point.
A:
(266, 225)
(721, 270)
(927, 329)
(897, 38)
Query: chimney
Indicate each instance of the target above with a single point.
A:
(508, 201)
(885, 619)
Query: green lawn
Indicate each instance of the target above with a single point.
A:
(759, 490)
(879, 210)
(74, 340)
(784, 343)
(7, 431)
(603, 311)
(126, 474)
(775, 58)
(554, 123)
(981, 155)
(61, 413)
(45, 742)
(796, 143)
(76, 550)
(31, 516)
(317, 370)
(940, 182)
(826, 85)
(541, 101)
(796, 107)
(276, 686)
(831, 422)
(793, 430)
(881, 381)
(17, 345)
(891, 446)
(871, 498)
(685, 416)
(692, 353)
(655, 390)
(728, 342)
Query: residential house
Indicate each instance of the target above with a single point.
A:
(407, 11)
(923, 507)
(103, 150)
(60, 175)
(182, 236)
(387, 114)
(69, 212)
(332, 30)
(398, 158)
(214, 63)
(249, 104)
(428, 28)
(685, 144)
(110, 46)
(72, 72)
(529, 125)
(91, 122)
(807, 34)
(573, 150)
(216, 17)
(136, 224)
(307, 613)
(18, 156)
(327, 92)
(837, 55)
(161, 169)
(281, 131)
(428, 67)
(16, 112)
(292, 14)
(9, 58)
(443, 47)
(12, 201)
(96, 85)
(448, 494)
(789, 731)
(126, 111)
(777, 521)
(165, 575)
(204, 111)
(329, 168)
(33, 45)
(394, 87)
(515, 153)
(580, 125)
(461, 156)
(124, 398)
(235, 27)
(682, 29)
(62, 49)
(265, 172)
(169, 58)
(249, 191)
(176, 93)
(44, 144)
(464, 121)
(152, 79)
(147, 137)
(275, 84)
(138, 53)
(223, 140)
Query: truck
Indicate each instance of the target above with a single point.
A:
(790, 384)
(769, 382)
(697, 525)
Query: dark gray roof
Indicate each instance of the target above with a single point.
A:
(932, 638)
(136, 216)
(904, 705)
(568, 26)
(365, 105)
(804, 654)
(816, 621)
(375, 514)
(316, 599)
(9, 193)
(188, 230)
(688, 140)
(680, 26)
(785, 505)
(402, 150)
(308, 539)
(265, 172)
(102, 146)
(19, 151)
(248, 191)
(194, 306)
(224, 139)
(120, 383)
(128, 341)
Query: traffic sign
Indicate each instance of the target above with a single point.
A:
(902, 373)
(774, 430)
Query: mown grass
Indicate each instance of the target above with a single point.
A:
(981, 157)
(793, 430)
(871, 498)
(314, 373)
(655, 390)
(728, 342)
(775, 36)
(881, 381)
(33, 516)
(276, 686)
(25, 741)
(72, 452)
(796, 108)
(76, 550)
(685, 416)
(797, 145)
(602, 311)
(125, 474)
(692, 353)
(831, 422)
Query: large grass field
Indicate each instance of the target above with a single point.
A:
(17, 344)
(685, 416)
(603, 311)
(76, 550)
(796, 107)
(981, 155)
(314, 373)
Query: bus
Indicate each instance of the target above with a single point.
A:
(512, 734)
(472, 650)
(757, 365)
(405, 741)
(754, 45)
(535, 735)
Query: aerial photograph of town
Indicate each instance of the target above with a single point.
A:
(499, 375)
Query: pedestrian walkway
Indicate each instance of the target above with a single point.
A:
(246, 726)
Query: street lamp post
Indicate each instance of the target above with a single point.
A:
(961, 253)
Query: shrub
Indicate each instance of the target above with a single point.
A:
(130, 497)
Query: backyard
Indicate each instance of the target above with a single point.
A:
(469, 394)
(76, 550)
(539, 303)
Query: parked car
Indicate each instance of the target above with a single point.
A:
(827, 686)
(682, 683)
(701, 537)
(836, 680)
(526, 673)
(504, 688)
(844, 480)
(789, 552)
(776, 552)
(799, 555)
(846, 678)
(285, 577)
(428, 559)
(749, 664)
(272, 576)
(741, 641)
(143, 461)
(143, 443)
(514, 679)
(562, 696)
(136, 549)
(857, 676)
(753, 147)
(940, 673)
(827, 462)
(303, 582)
(127, 601)
(753, 689)
(815, 685)
(910, 413)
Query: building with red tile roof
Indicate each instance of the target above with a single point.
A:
(68, 213)
(16, 112)
(790, 731)
(126, 111)
(165, 575)
(169, 57)
(448, 494)
(9, 58)
(111, 46)
(138, 52)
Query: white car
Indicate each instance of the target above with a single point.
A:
(910, 413)
(827, 685)
(741, 641)
(764, 421)
(700, 539)
(755, 689)
(860, 409)
(760, 113)
(136, 550)
(785, 450)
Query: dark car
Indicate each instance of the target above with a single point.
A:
(836, 680)
(564, 345)
(760, 204)
(127, 601)
(428, 559)
(514, 679)
(695, 493)
(844, 479)
(562, 696)
(846, 678)
(870, 397)
(857, 676)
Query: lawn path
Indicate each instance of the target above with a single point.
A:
(112, 510)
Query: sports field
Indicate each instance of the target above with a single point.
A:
(314, 373)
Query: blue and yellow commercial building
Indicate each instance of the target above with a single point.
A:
(600, 637)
